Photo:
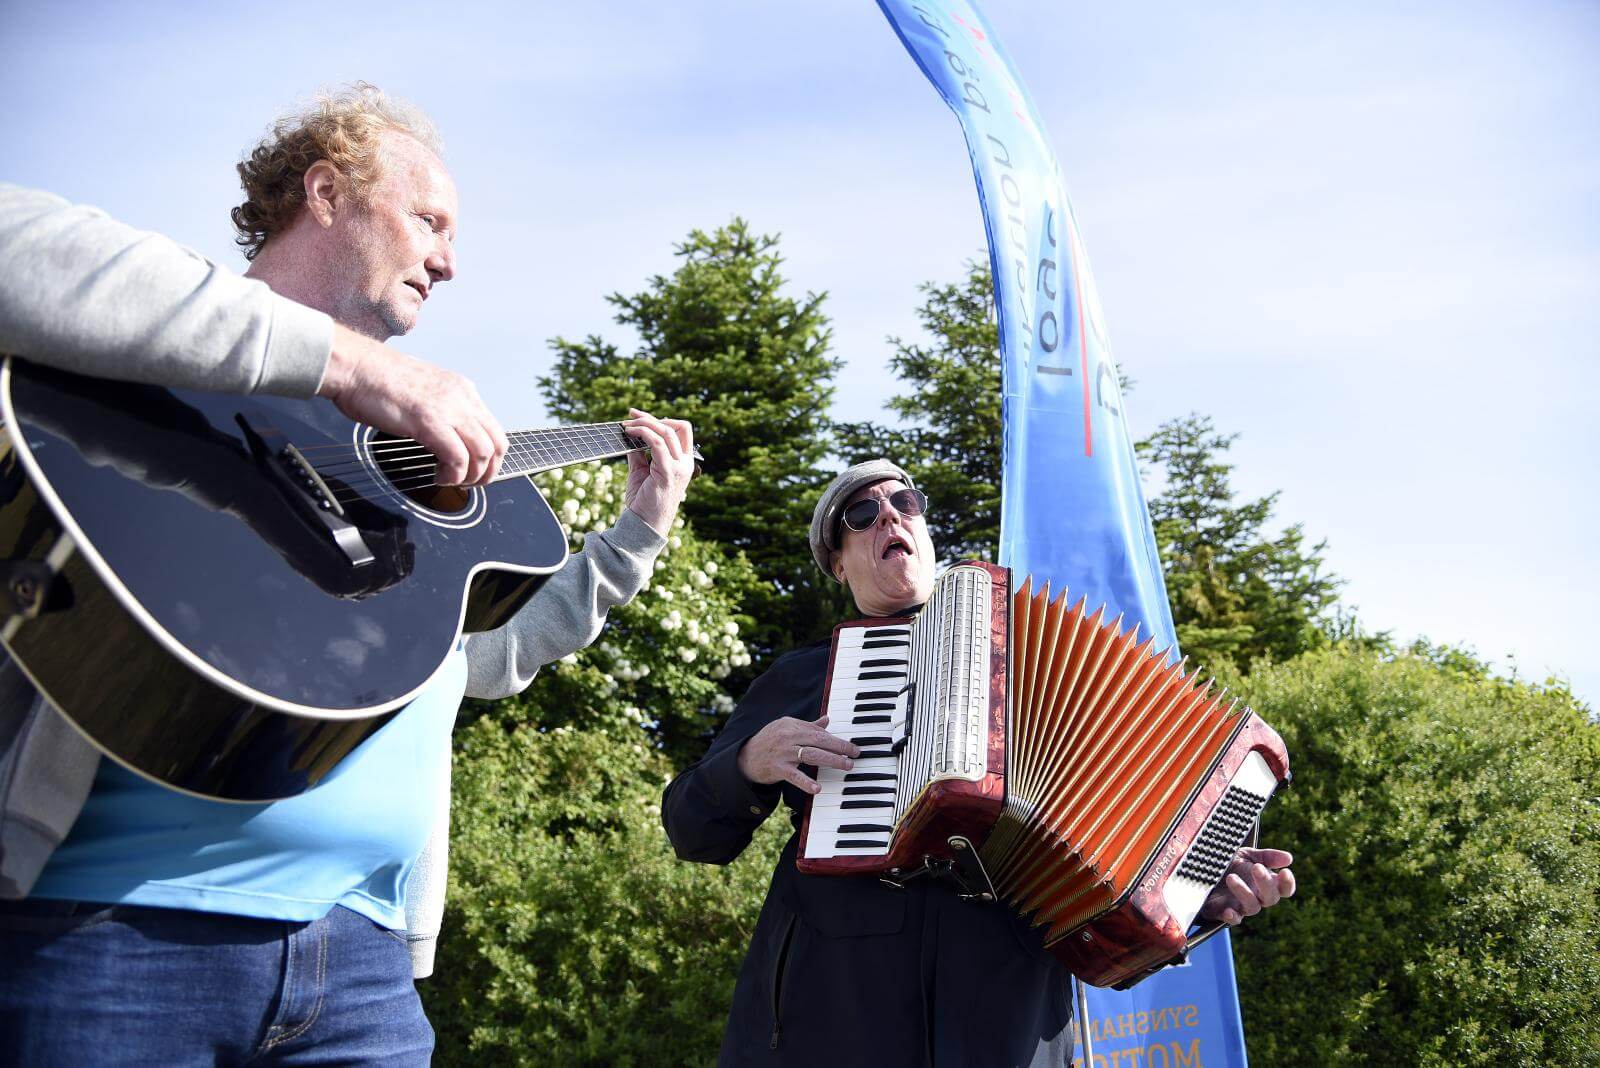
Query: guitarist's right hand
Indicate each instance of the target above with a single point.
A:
(373, 383)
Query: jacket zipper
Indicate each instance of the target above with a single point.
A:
(778, 969)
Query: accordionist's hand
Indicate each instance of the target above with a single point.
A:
(777, 751)
(1257, 879)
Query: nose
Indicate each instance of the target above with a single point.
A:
(441, 262)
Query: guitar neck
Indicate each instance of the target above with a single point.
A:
(533, 451)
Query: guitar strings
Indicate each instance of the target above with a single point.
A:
(347, 465)
(356, 476)
(392, 449)
(360, 474)
(577, 433)
(351, 489)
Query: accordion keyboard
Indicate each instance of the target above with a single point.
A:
(853, 815)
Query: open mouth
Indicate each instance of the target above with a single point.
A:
(895, 548)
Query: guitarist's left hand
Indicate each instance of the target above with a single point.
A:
(657, 482)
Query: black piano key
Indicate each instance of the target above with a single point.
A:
(860, 843)
(870, 719)
(881, 675)
(859, 790)
(864, 828)
(875, 754)
(871, 739)
(868, 776)
(866, 804)
(881, 663)
(885, 643)
(875, 706)
(878, 695)
(885, 632)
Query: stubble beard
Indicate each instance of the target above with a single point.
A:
(380, 319)
(394, 319)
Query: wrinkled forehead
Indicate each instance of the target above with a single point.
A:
(407, 166)
(876, 489)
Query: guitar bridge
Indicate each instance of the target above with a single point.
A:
(306, 488)
(301, 469)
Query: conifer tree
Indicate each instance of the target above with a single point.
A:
(1236, 591)
(951, 444)
(721, 343)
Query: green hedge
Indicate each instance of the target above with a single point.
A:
(1445, 826)
(1446, 832)
(573, 935)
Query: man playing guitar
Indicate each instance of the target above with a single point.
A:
(166, 928)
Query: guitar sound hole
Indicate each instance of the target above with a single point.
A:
(409, 469)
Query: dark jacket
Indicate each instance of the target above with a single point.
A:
(847, 970)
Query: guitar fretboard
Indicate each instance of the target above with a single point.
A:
(542, 450)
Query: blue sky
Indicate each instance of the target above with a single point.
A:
(1363, 238)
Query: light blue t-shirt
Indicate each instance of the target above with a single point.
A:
(351, 841)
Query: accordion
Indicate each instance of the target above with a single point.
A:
(1041, 756)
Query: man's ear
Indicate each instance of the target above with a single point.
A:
(836, 565)
(323, 195)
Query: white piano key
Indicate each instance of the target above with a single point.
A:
(886, 764)
(881, 649)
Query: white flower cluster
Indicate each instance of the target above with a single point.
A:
(621, 667)
(679, 594)
(590, 497)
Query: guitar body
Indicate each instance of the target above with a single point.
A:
(171, 587)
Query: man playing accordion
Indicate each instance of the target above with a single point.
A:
(847, 970)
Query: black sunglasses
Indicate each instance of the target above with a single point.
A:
(862, 514)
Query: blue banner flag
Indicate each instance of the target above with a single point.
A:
(1072, 509)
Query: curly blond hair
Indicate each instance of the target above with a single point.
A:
(342, 126)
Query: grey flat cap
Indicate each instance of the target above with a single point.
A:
(825, 520)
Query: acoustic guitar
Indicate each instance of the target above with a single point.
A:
(227, 594)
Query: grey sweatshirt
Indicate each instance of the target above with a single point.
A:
(81, 291)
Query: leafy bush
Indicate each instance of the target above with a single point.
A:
(573, 934)
(1446, 832)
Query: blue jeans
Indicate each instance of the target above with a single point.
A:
(96, 984)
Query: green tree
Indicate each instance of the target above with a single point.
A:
(721, 344)
(951, 443)
(1236, 592)
(1446, 832)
